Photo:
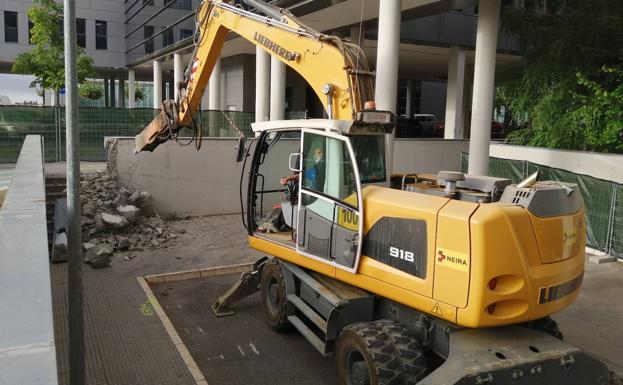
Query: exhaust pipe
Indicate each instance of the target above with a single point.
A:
(529, 181)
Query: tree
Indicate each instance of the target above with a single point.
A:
(46, 60)
(139, 92)
(91, 90)
(567, 91)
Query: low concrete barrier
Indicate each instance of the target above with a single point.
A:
(27, 352)
(206, 182)
(598, 165)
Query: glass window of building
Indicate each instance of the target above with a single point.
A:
(101, 38)
(81, 32)
(185, 33)
(30, 25)
(10, 27)
(167, 37)
(148, 31)
(182, 4)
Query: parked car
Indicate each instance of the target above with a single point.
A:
(497, 128)
(427, 121)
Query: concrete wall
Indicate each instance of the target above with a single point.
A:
(27, 353)
(184, 181)
(428, 155)
(602, 166)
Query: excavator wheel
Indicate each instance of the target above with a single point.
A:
(412, 358)
(378, 353)
(273, 293)
(547, 325)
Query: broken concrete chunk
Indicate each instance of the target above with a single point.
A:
(140, 198)
(88, 246)
(124, 243)
(114, 221)
(129, 212)
(103, 249)
(60, 247)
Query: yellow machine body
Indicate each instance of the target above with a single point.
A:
(486, 264)
(537, 264)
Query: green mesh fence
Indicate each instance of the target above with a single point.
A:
(97, 123)
(603, 199)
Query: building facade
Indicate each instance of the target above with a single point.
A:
(138, 40)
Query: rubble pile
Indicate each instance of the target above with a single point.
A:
(118, 219)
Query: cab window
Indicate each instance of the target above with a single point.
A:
(328, 168)
(370, 153)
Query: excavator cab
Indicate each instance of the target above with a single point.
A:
(318, 213)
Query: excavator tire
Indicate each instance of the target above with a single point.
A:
(273, 293)
(378, 353)
(412, 358)
(547, 325)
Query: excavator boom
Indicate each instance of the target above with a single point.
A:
(336, 70)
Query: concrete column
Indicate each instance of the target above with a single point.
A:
(387, 54)
(409, 98)
(262, 84)
(131, 89)
(356, 35)
(277, 89)
(454, 95)
(106, 96)
(54, 98)
(484, 81)
(178, 74)
(214, 101)
(205, 100)
(214, 87)
(113, 102)
(157, 84)
(121, 92)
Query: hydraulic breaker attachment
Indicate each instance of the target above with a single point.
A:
(162, 128)
(515, 355)
(247, 284)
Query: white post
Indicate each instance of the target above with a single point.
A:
(484, 82)
(277, 89)
(387, 53)
(454, 94)
(178, 74)
(409, 98)
(131, 89)
(214, 87)
(214, 101)
(262, 84)
(157, 84)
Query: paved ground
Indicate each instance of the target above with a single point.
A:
(240, 349)
(126, 343)
(595, 321)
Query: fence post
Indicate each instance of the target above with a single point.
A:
(611, 218)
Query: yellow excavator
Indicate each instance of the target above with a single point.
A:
(405, 279)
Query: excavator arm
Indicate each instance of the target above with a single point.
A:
(336, 70)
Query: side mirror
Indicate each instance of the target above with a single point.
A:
(240, 148)
(294, 162)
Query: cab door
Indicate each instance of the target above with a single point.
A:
(330, 209)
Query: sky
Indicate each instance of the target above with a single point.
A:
(16, 88)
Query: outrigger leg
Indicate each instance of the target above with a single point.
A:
(247, 284)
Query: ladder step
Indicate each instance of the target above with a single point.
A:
(308, 334)
(309, 312)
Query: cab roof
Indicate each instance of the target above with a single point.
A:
(341, 126)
